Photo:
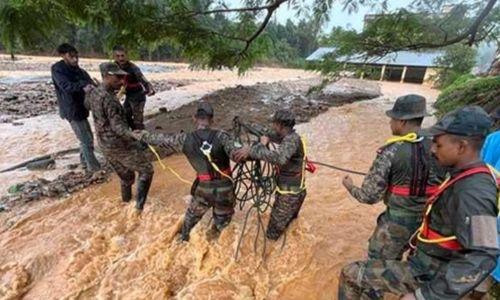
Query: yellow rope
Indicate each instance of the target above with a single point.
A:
(410, 137)
(164, 167)
(217, 168)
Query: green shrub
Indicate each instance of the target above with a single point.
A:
(467, 90)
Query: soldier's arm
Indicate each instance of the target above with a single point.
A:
(173, 141)
(62, 81)
(279, 156)
(375, 184)
(474, 214)
(228, 142)
(116, 121)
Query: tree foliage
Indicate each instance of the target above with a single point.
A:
(214, 34)
(457, 60)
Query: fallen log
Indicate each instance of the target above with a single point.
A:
(41, 158)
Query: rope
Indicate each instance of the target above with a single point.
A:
(164, 167)
(338, 168)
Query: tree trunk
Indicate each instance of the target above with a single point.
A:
(494, 69)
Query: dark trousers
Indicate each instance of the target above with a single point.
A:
(134, 109)
(83, 133)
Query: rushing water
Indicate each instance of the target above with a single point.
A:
(92, 246)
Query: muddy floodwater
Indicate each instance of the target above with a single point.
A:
(90, 245)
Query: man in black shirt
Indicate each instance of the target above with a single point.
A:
(71, 84)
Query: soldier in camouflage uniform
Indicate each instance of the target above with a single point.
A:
(208, 151)
(290, 161)
(136, 88)
(456, 246)
(402, 175)
(115, 138)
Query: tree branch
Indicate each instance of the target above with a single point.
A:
(270, 10)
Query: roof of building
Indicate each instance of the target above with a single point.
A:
(400, 58)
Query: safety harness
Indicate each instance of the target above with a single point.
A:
(214, 171)
(306, 166)
(420, 169)
(425, 234)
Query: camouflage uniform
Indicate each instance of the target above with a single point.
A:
(401, 175)
(433, 272)
(403, 215)
(116, 143)
(136, 88)
(210, 189)
(467, 210)
(289, 158)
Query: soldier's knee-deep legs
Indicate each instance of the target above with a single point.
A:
(370, 279)
(197, 208)
(285, 209)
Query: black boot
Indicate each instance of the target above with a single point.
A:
(126, 192)
(142, 193)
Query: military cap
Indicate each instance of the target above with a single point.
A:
(408, 107)
(204, 110)
(465, 121)
(111, 68)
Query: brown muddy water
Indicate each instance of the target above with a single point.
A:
(91, 246)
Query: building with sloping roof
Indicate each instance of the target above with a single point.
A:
(403, 66)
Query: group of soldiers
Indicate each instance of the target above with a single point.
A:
(437, 237)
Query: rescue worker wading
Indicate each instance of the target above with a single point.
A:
(115, 138)
(208, 151)
(291, 162)
(136, 88)
(456, 246)
(403, 175)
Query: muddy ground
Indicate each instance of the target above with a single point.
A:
(30, 99)
(254, 104)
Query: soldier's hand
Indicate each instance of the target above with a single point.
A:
(241, 154)
(264, 140)
(409, 297)
(139, 134)
(347, 182)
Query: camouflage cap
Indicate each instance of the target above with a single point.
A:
(465, 121)
(204, 110)
(111, 68)
(408, 107)
(285, 117)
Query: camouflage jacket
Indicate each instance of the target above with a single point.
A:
(289, 158)
(189, 143)
(393, 167)
(110, 123)
(468, 210)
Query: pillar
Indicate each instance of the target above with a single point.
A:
(404, 74)
(382, 73)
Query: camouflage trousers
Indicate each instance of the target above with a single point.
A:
(391, 236)
(126, 162)
(370, 279)
(134, 109)
(285, 209)
(219, 196)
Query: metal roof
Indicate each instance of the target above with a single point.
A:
(400, 58)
